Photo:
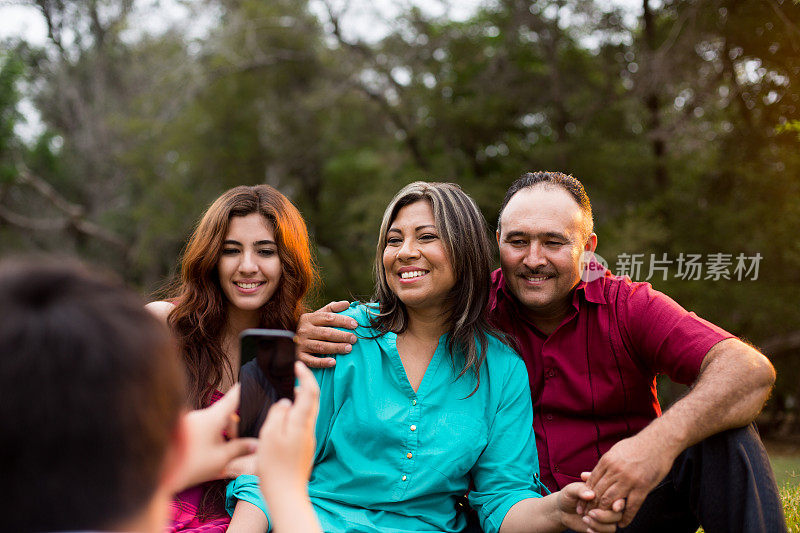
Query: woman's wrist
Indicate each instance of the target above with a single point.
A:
(283, 489)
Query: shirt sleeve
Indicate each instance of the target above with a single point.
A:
(668, 338)
(245, 488)
(508, 469)
(327, 408)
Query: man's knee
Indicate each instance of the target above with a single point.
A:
(728, 448)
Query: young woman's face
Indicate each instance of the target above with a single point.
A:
(249, 267)
(415, 261)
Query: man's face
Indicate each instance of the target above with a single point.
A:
(541, 239)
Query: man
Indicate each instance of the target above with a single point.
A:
(592, 350)
(93, 434)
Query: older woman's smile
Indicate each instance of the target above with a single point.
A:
(411, 274)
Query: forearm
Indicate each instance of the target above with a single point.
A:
(531, 515)
(291, 510)
(247, 518)
(734, 382)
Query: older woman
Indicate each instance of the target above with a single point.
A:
(431, 400)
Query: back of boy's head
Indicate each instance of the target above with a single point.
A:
(90, 394)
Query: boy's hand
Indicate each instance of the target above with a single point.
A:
(286, 441)
(207, 453)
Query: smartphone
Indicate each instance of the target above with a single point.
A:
(266, 374)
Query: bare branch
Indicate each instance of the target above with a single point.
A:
(85, 227)
(781, 15)
(93, 230)
(411, 136)
(737, 92)
(53, 27)
(675, 31)
(98, 30)
(411, 140)
(35, 224)
(45, 189)
(75, 215)
(360, 49)
(279, 56)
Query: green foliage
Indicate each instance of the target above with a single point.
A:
(11, 70)
(789, 126)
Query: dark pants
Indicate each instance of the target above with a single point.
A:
(724, 483)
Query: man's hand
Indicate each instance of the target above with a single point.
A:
(575, 495)
(286, 440)
(316, 335)
(629, 471)
(734, 381)
(207, 453)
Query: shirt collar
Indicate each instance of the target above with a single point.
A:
(593, 291)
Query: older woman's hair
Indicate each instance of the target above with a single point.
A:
(464, 233)
(200, 312)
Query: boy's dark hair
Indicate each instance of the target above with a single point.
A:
(90, 394)
(552, 179)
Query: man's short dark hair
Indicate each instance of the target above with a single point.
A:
(90, 394)
(552, 179)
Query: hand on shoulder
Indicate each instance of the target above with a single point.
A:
(316, 334)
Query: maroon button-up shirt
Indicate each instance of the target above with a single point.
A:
(593, 379)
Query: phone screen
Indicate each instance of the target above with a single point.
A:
(266, 374)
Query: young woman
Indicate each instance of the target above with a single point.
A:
(248, 264)
(431, 400)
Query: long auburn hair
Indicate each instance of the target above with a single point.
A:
(200, 314)
(464, 233)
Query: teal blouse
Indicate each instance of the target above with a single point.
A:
(390, 459)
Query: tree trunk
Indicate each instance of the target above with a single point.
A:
(652, 100)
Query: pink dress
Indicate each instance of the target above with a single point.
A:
(185, 515)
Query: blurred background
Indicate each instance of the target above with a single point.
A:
(120, 120)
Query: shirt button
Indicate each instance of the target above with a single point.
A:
(404, 478)
(549, 417)
(413, 427)
(413, 402)
(555, 469)
(551, 373)
(409, 455)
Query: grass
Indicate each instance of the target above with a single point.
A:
(790, 494)
(787, 473)
(787, 469)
